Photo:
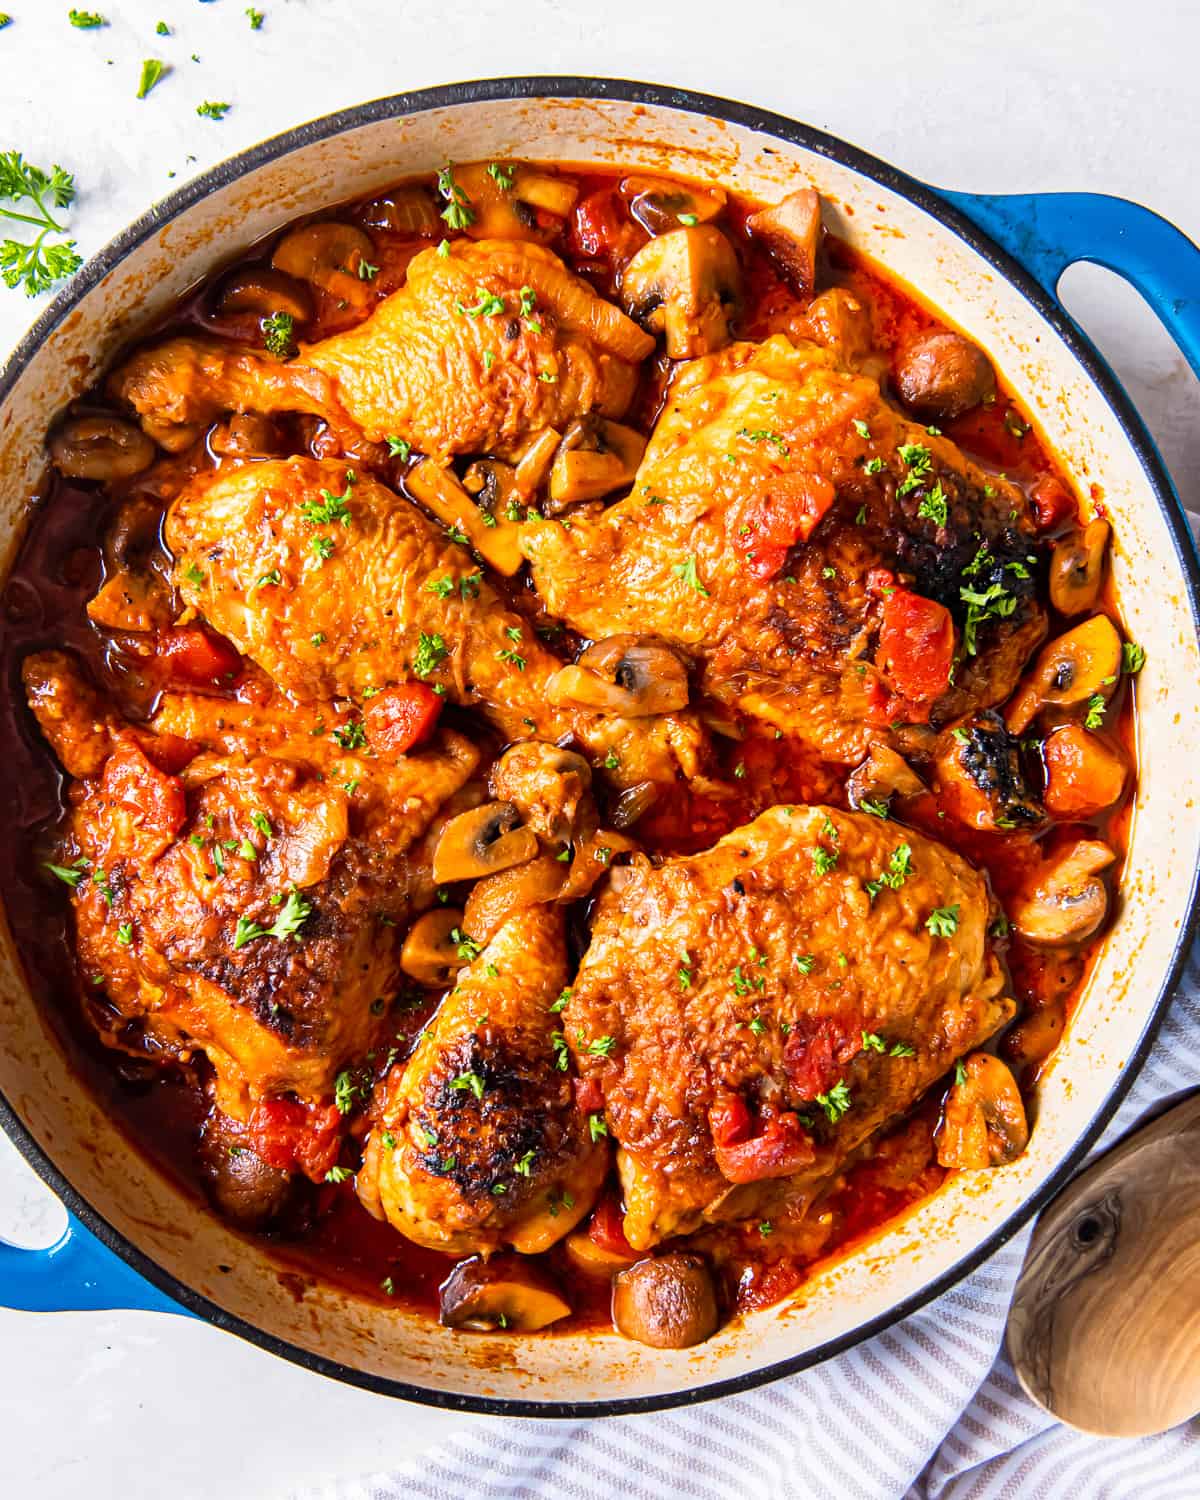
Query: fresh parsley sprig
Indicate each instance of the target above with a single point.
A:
(38, 265)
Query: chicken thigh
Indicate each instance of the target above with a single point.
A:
(755, 1012)
(479, 1140)
(337, 586)
(236, 891)
(834, 566)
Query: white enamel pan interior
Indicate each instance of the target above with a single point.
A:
(180, 1244)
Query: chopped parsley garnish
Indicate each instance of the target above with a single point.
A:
(917, 459)
(502, 176)
(125, 934)
(70, 874)
(470, 1081)
(875, 466)
(805, 962)
(465, 946)
(766, 1228)
(152, 71)
(824, 859)
(442, 587)
(942, 921)
(262, 823)
(684, 971)
(488, 306)
(960, 1072)
(1096, 709)
(1014, 426)
(193, 575)
(213, 111)
(458, 535)
(860, 516)
(338, 1174)
(330, 508)
(687, 571)
(431, 651)
(597, 1127)
(689, 221)
(1133, 658)
(876, 806)
(293, 914)
(388, 1286)
(861, 428)
(601, 1047)
(757, 1025)
(761, 435)
(256, 18)
(561, 1003)
(318, 638)
(269, 579)
(352, 736)
(900, 867)
(86, 20)
(873, 1042)
(836, 1102)
(346, 1089)
(933, 506)
(524, 1167)
(278, 330)
(558, 1043)
(901, 1049)
(322, 548)
(468, 585)
(514, 658)
(399, 447)
(992, 603)
(745, 986)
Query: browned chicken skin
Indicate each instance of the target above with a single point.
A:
(480, 1142)
(392, 598)
(243, 906)
(677, 559)
(754, 1012)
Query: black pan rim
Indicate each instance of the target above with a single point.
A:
(821, 143)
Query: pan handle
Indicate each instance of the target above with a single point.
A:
(1047, 232)
(78, 1273)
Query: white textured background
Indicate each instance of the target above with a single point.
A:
(972, 94)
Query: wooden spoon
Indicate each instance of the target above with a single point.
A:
(1104, 1328)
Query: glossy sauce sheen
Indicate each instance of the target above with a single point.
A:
(59, 568)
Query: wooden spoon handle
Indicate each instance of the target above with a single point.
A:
(1104, 1328)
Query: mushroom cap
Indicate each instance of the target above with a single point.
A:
(481, 841)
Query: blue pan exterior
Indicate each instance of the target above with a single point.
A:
(1029, 239)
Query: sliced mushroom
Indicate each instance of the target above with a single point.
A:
(330, 256)
(504, 200)
(406, 210)
(883, 775)
(668, 1301)
(481, 841)
(686, 284)
(505, 1292)
(983, 1123)
(623, 674)
(100, 447)
(980, 776)
(263, 292)
(482, 518)
(545, 190)
(1084, 775)
(242, 1186)
(595, 457)
(431, 950)
(534, 462)
(660, 205)
(941, 375)
(593, 1259)
(247, 435)
(1083, 663)
(791, 235)
(1063, 902)
(1077, 568)
(550, 786)
(497, 897)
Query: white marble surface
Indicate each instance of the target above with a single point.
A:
(992, 95)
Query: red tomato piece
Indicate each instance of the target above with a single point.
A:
(401, 717)
(600, 228)
(606, 1227)
(589, 1096)
(817, 1051)
(729, 1120)
(291, 1136)
(916, 646)
(130, 777)
(1053, 504)
(781, 1148)
(194, 657)
(769, 523)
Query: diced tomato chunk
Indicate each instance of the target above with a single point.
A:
(600, 228)
(589, 1096)
(769, 523)
(1084, 775)
(400, 717)
(132, 778)
(782, 1147)
(916, 645)
(292, 1136)
(1053, 504)
(194, 657)
(817, 1051)
(606, 1227)
(729, 1119)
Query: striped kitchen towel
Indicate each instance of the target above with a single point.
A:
(929, 1410)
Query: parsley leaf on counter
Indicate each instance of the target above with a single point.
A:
(86, 20)
(256, 18)
(211, 111)
(152, 71)
(38, 265)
